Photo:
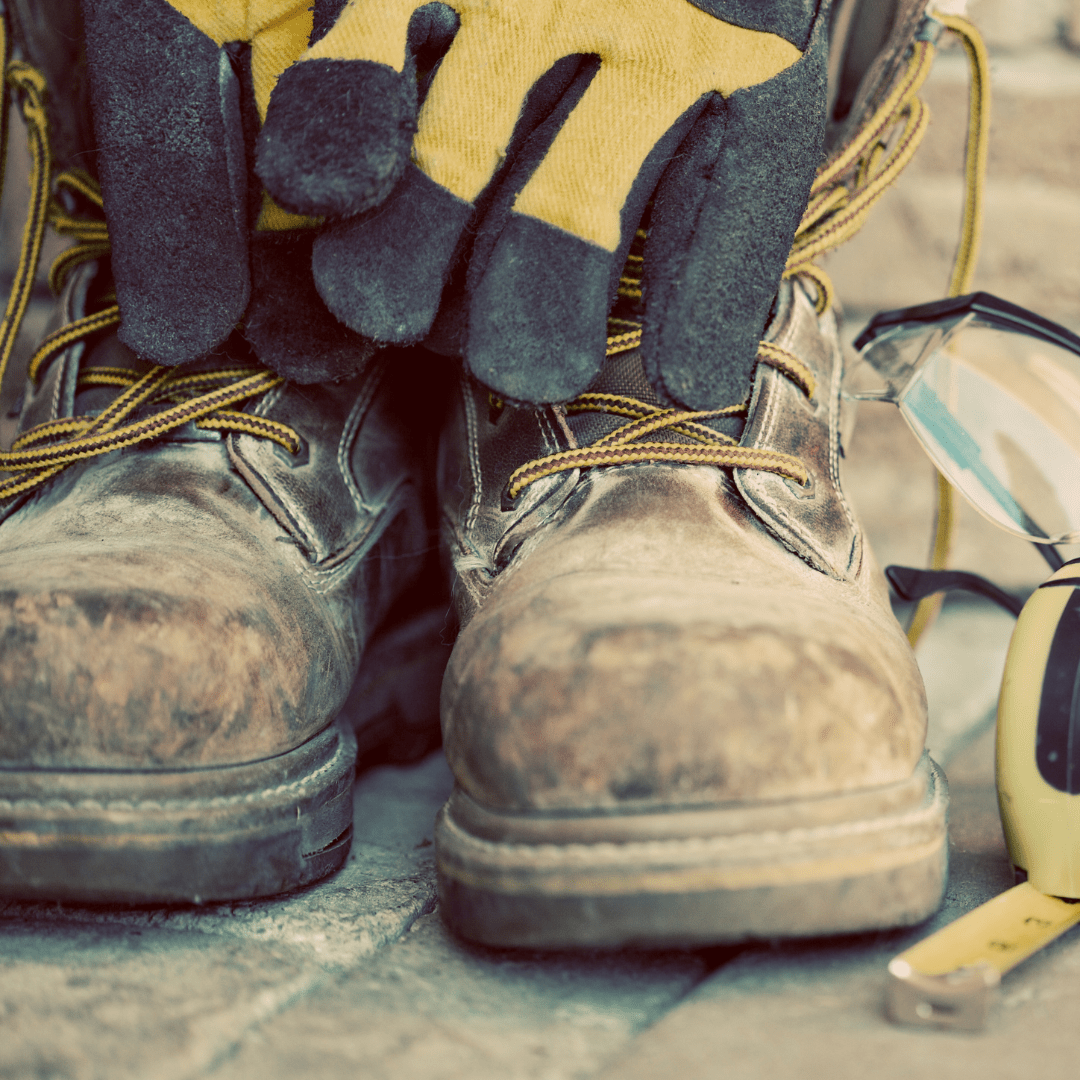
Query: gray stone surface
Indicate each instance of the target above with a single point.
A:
(387, 883)
(98, 992)
(432, 1007)
(98, 1000)
(1031, 227)
(1018, 24)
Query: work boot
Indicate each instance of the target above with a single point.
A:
(194, 561)
(680, 710)
(182, 621)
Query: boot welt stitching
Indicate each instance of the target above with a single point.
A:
(473, 436)
(341, 752)
(692, 847)
(834, 429)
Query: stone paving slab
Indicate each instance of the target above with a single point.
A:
(904, 255)
(1033, 134)
(168, 993)
(1031, 225)
(432, 1007)
(97, 1000)
(387, 883)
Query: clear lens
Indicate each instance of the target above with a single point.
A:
(999, 413)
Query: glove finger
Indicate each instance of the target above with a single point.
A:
(286, 321)
(178, 89)
(546, 108)
(722, 226)
(340, 123)
(167, 119)
(537, 321)
(540, 293)
(384, 274)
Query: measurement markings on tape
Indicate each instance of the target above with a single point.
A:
(949, 978)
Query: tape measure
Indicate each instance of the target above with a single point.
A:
(948, 979)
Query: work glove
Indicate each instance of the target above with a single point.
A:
(510, 148)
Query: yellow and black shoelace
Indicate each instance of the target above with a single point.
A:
(630, 443)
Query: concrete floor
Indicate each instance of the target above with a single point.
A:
(358, 976)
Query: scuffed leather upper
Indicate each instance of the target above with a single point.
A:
(815, 520)
(656, 635)
(201, 600)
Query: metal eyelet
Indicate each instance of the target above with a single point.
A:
(297, 460)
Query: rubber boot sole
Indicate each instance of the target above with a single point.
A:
(226, 833)
(867, 860)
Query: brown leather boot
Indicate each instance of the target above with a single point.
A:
(182, 621)
(193, 563)
(680, 709)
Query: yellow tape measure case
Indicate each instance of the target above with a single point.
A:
(1038, 737)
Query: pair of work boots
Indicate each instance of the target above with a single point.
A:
(678, 709)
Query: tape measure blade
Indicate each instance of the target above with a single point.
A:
(1002, 932)
(949, 978)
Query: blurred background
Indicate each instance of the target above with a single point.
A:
(1030, 254)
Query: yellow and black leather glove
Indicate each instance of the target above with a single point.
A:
(546, 128)
(516, 168)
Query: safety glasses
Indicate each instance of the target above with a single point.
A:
(992, 392)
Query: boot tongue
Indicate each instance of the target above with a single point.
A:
(624, 376)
